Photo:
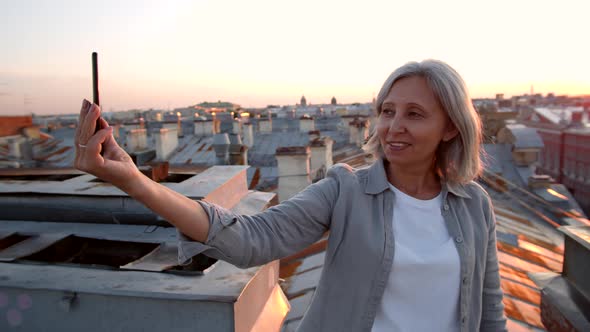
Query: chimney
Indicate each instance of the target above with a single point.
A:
(248, 134)
(214, 124)
(293, 164)
(353, 132)
(265, 124)
(321, 156)
(203, 127)
(238, 152)
(565, 297)
(314, 134)
(236, 126)
(136, 140)
(221, 146)
(166, 143)
(363, 132)
(14, 147)
(306, 124)
(542, 181)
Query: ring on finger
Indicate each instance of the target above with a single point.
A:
(81, 145)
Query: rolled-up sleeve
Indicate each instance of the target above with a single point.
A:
(274, 233)
(493, 318)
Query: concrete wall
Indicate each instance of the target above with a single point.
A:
(166, 143)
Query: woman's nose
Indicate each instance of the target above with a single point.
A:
(397, 125)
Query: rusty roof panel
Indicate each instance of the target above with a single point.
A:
(516, 290)
(507, 272)
(530, 256)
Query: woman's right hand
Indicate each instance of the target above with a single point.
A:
(114, 165)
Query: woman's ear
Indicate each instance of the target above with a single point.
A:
(450, 132)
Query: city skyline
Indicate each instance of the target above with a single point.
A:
(259, 53)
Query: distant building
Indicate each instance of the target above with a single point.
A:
(219, 106)
(566, 156)
(303, 101)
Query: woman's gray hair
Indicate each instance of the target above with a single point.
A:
(458, 160)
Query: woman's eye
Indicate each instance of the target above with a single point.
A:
(388, 112)
(415, 115)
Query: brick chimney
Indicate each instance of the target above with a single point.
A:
(306, 124)
(136, 140)
(221, 146)
(321, 156)
(294, 167)
(565, 298)
(166, 142)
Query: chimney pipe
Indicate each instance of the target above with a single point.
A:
(294, 168)
(221, 146)
(248, 134)
(166, 143)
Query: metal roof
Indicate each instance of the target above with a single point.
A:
(525, 137)
(72, 269)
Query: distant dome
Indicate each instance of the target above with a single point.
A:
(303, 101)
(333, 102)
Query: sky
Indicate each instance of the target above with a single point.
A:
(175, 53)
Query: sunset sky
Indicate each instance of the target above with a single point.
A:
(166, 54)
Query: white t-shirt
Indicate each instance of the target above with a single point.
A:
(422, 293)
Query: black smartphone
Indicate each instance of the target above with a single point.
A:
(95, 94)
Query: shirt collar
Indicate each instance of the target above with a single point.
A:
(377, 182)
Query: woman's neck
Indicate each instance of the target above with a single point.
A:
(418, 182)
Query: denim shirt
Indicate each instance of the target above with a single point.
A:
(356, 206)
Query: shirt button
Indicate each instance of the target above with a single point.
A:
(458, 239)
(464, 280)
(446, 206)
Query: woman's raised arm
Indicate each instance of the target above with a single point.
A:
(116, 167)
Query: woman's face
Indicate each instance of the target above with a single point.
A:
(412, 124)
